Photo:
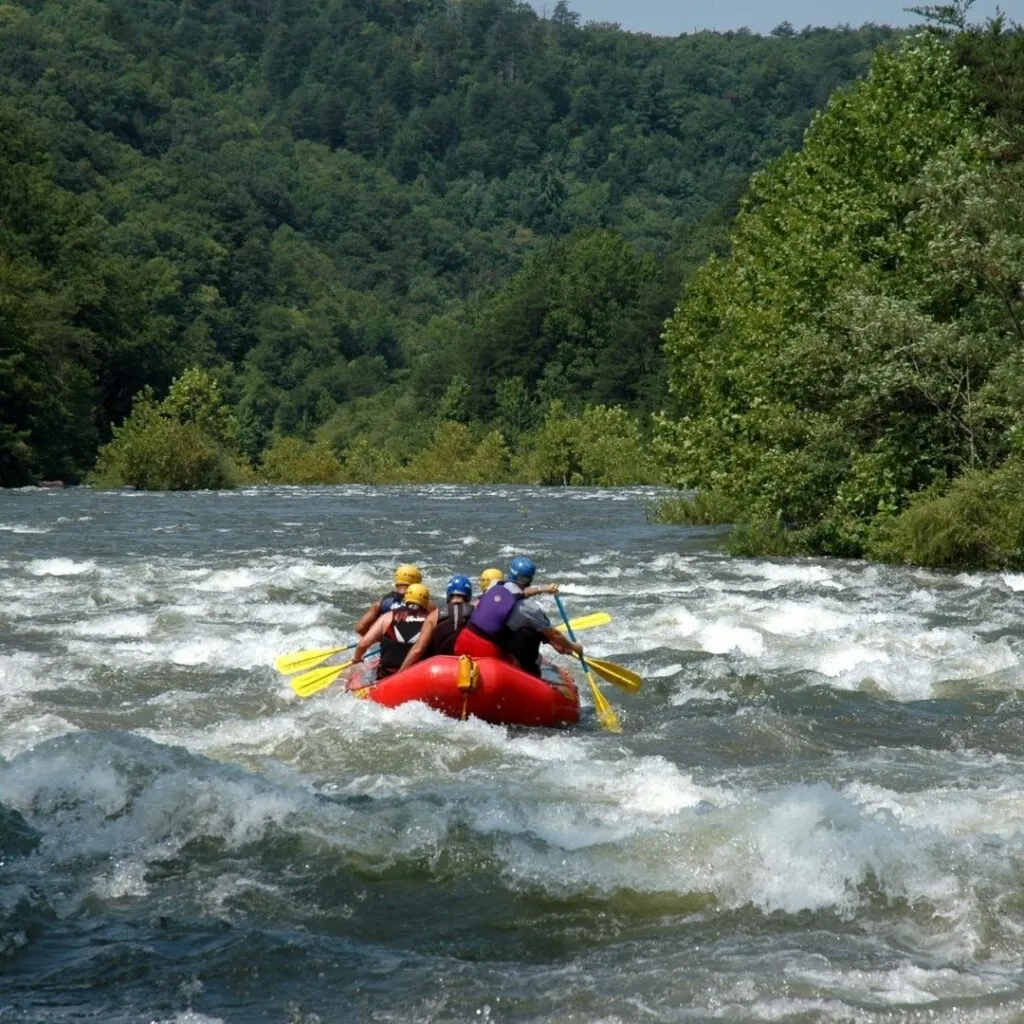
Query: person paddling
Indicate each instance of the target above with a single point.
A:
(405, 576)
(488, 635)
(491, 576)
(404, 632)
(529, 627)
(452, 618)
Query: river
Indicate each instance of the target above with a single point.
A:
(814, 811)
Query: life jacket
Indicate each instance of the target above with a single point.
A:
(450, 622)
(389, 602)
(524, 646)
(492, 612)
(406, 625)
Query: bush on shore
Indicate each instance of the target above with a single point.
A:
(603, 446)
(859, 346)
(186, 442)
(976, 522)
(290, 460)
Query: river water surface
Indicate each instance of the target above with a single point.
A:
(815, 810)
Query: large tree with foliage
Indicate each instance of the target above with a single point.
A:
(860, 343)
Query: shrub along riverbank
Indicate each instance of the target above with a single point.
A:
(190, 440)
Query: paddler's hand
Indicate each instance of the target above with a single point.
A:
(577, 649)
(549, 588)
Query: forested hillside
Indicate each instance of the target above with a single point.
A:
(366, 218)
(849, 379)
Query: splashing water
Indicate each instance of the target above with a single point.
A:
(814, 811)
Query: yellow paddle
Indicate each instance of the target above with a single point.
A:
(299, 661)
(605, 712)
(320, 678)
(616, 674)
(586, 621)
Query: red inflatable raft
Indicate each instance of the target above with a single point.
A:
(486, 688)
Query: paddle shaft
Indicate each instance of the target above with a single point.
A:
(605, 712)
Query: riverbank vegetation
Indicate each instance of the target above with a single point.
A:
(352, 241)
(190, 441)
(847, 380)
(365, 220)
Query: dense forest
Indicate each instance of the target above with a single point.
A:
(397, 236)
(849, 378)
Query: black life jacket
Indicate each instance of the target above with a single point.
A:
(450, 622)
(406, 625)
(524, 646)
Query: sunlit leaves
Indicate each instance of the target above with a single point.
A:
(849, 352)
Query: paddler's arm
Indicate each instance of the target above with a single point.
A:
(370, 616)
(422, 644)
(562, 644)
(375, 633)
(547, 588)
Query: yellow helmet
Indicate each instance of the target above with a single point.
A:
(489, 576)
(408, 574)
(417, 593)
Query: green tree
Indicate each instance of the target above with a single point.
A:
(856, 345)
(292, 461)
(185, 442)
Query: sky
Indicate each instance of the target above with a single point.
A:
(672, 17)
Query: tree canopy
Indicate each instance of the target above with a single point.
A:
(857, 353)
(338, 207)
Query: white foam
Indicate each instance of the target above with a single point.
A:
(277, 614)
(953, 812)
(725, 637)
(188, 1017)
(801, 618)
(906, 985)
(59, 567)
(224, 581)
(114, 626)
(671, 624)
(23, 733)
(125, 879)
(234, 737)
(19, 673)
(22, 528)
(841, 660)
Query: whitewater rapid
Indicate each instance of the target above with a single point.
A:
(814, 810)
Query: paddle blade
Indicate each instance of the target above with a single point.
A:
(605, 712)
(299, 661)
(586, 622)
(319, 679)
(616, 674)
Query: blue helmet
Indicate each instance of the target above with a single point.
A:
(522, 568)
(459, 585)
